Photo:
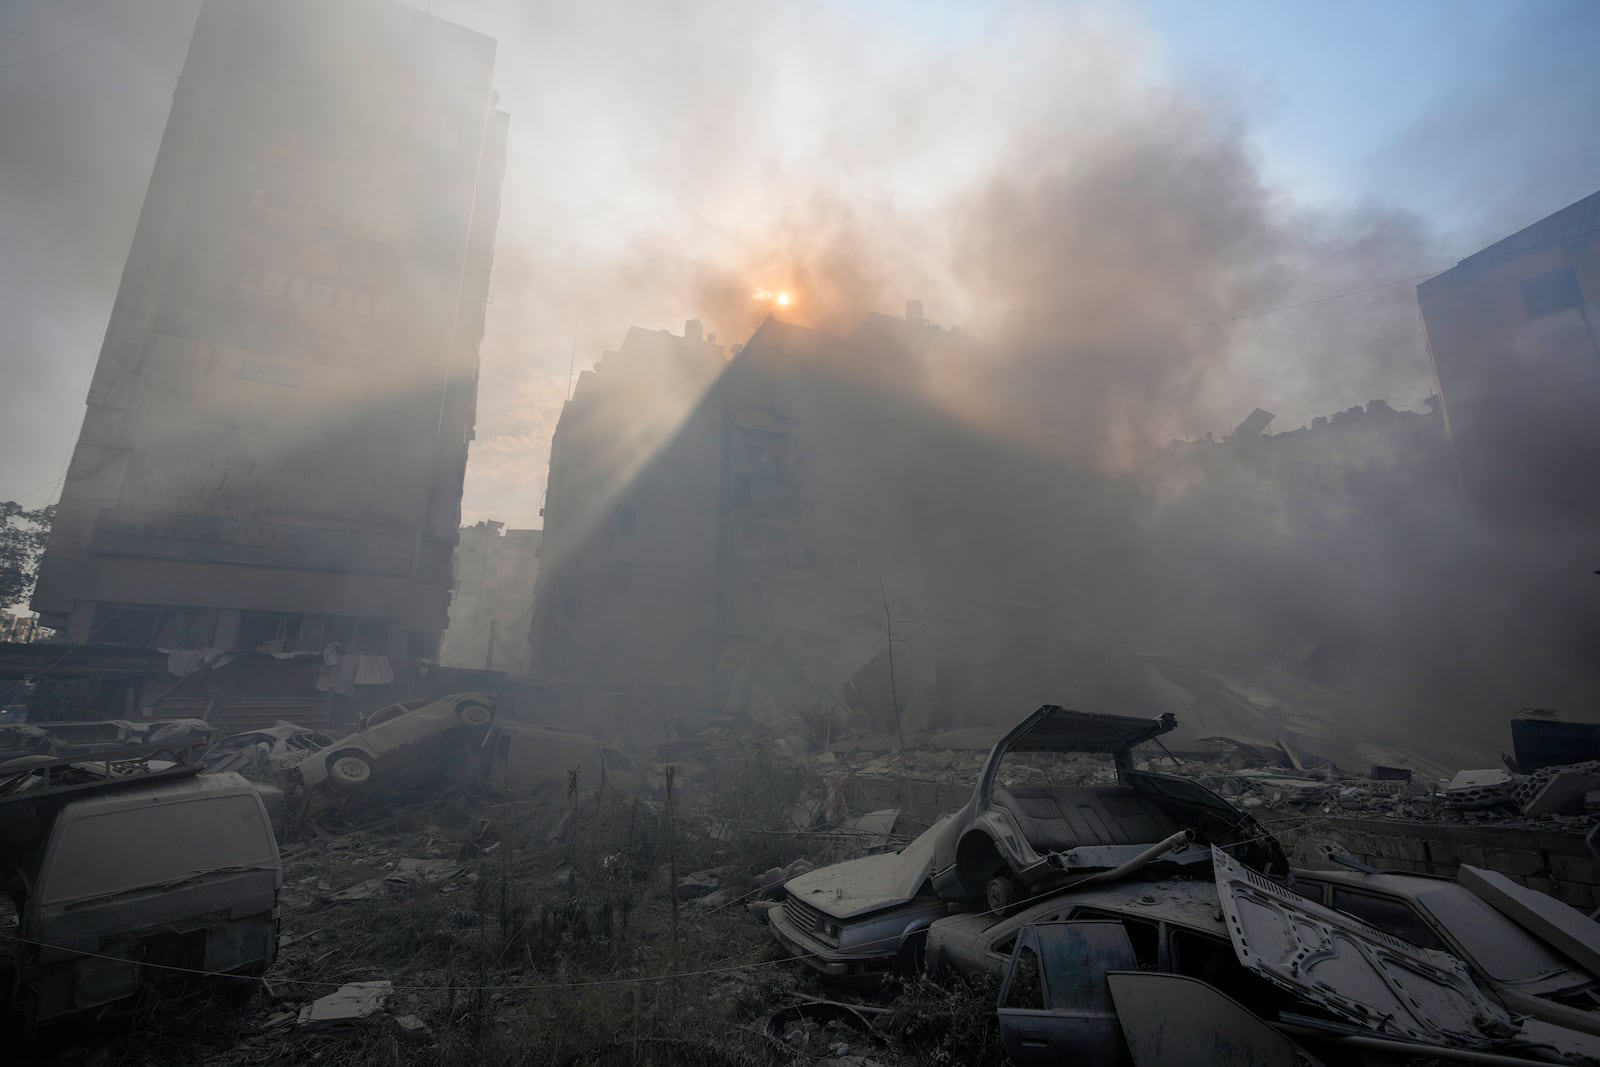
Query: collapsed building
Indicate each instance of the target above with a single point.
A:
(277, 427)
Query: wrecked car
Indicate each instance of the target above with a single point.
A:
(1255, 974)
(869, 917)
(119, 878)
(863, 919)
(276, 748)
(1013, 840)
(1528, 976)
(1166, 922)
(395, 736)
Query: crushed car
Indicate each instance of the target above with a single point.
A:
(861, 920)
(276, 748)
(128, 870)
(1235, 970)
(396, 736)
(1014, 839)
(1524, 973)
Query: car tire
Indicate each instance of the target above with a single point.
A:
(912, 960)
(474, 714)
(1001, 895)
(349, 770)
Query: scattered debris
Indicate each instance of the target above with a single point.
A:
(347, 1004)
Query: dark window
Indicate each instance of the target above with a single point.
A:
(1027, 984)
(1145, 937)
(1552, 293)
(1394, 917)
(422, 644)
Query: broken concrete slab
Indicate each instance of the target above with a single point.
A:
(1485, 788)
(347, 1004)
(1563, 794)
(1559, 925)
(414, 871)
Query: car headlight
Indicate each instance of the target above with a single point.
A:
(830, 930)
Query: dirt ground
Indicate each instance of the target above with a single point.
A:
(539, 930)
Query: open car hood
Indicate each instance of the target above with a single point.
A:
(1351, 970)
(871, 883)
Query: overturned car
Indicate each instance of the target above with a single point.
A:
(1028, 832)
(396, 736)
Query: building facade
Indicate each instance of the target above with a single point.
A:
(711, 544)
(1514, 335)
(278, 423)
(496, 572)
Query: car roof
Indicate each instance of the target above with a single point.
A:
(1190, 904)
(140, 794)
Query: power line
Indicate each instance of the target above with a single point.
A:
(1564, 238)
(1304, 824)
(90, 40)
(1318, 300)
(43, 24)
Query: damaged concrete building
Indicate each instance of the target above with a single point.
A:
(496, 572)
(277, 427)
(703, 554)
(1514, 334)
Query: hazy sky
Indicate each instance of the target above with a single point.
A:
(667, 160)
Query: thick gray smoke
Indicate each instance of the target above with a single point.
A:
(1102, 235)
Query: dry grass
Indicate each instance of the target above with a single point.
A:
(548, 950)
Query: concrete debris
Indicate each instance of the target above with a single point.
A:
(1481, 789)
(699, 884)
(347, 1004)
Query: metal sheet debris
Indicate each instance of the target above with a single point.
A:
(1353, 970)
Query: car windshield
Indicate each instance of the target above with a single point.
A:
(1496, 945)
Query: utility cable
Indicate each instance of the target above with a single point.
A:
(90, 40)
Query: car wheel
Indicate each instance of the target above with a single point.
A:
(1001, 895)
(912, 959)
(350, 770)
(474, 714)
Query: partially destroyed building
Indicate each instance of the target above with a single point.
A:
(694, 560)
(277, 427)
(1514, 334)
(1514, 329)
(496, 572)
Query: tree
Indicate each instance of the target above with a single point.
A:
(22, 536)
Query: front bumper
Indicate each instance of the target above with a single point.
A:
(827, 960)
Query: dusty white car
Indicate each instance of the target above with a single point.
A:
(395, 736)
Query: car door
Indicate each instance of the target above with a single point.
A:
(1055, 1005)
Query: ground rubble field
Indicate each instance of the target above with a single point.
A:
(542, 930)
